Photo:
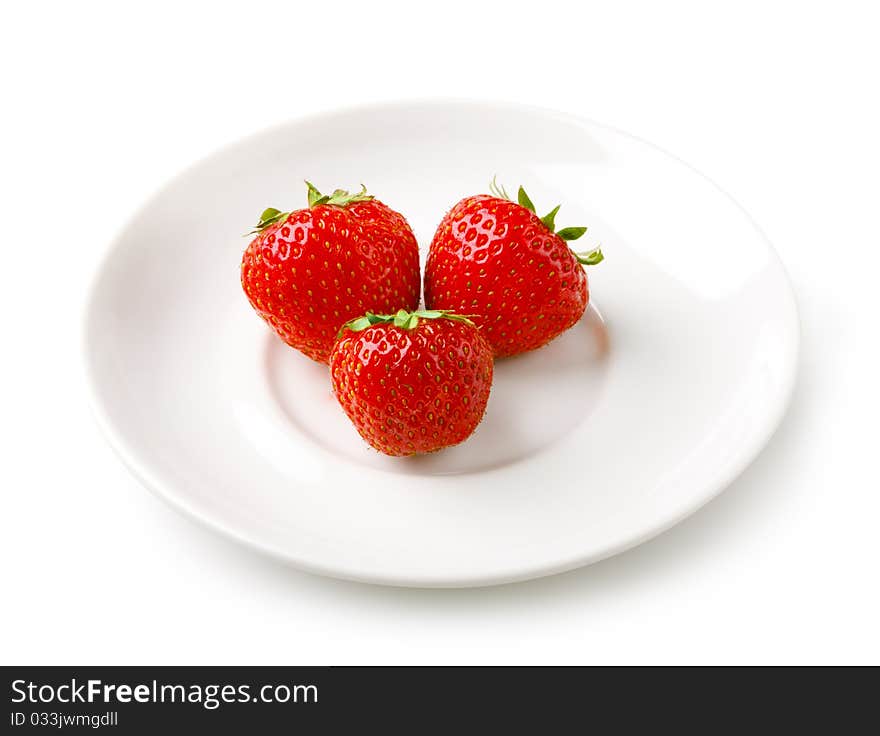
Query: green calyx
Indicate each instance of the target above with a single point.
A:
(339, 198)
(402, 319)
(269, 217)
(590, 258)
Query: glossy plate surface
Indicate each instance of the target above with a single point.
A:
(665, 391)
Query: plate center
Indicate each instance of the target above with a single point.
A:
(530, 407)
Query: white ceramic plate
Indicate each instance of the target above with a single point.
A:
(664, 392)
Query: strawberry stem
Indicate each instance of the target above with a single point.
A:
(269, 217)
(339, 198)
(590, 258)
(498, 190)
(402, 319)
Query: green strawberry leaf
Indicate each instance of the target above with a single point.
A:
(549, 219)
(361, 323)
(402, 319)
(571, 233)
(590, 258)
(269, 217)
(315, 197)
(524, 200)
(340, 197)
(269, 213)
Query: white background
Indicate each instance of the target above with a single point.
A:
(776, 102)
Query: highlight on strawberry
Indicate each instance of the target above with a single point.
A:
(513, 271)
(308, 271)
(413, 381)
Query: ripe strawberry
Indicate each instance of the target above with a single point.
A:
(412, 382)
(309, 271)
(499, 263)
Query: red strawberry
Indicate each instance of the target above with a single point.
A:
(412, 382)
(309, 271)
(499, 263)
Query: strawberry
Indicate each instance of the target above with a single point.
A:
(412, 382)
(309, 271)
(507, 269)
